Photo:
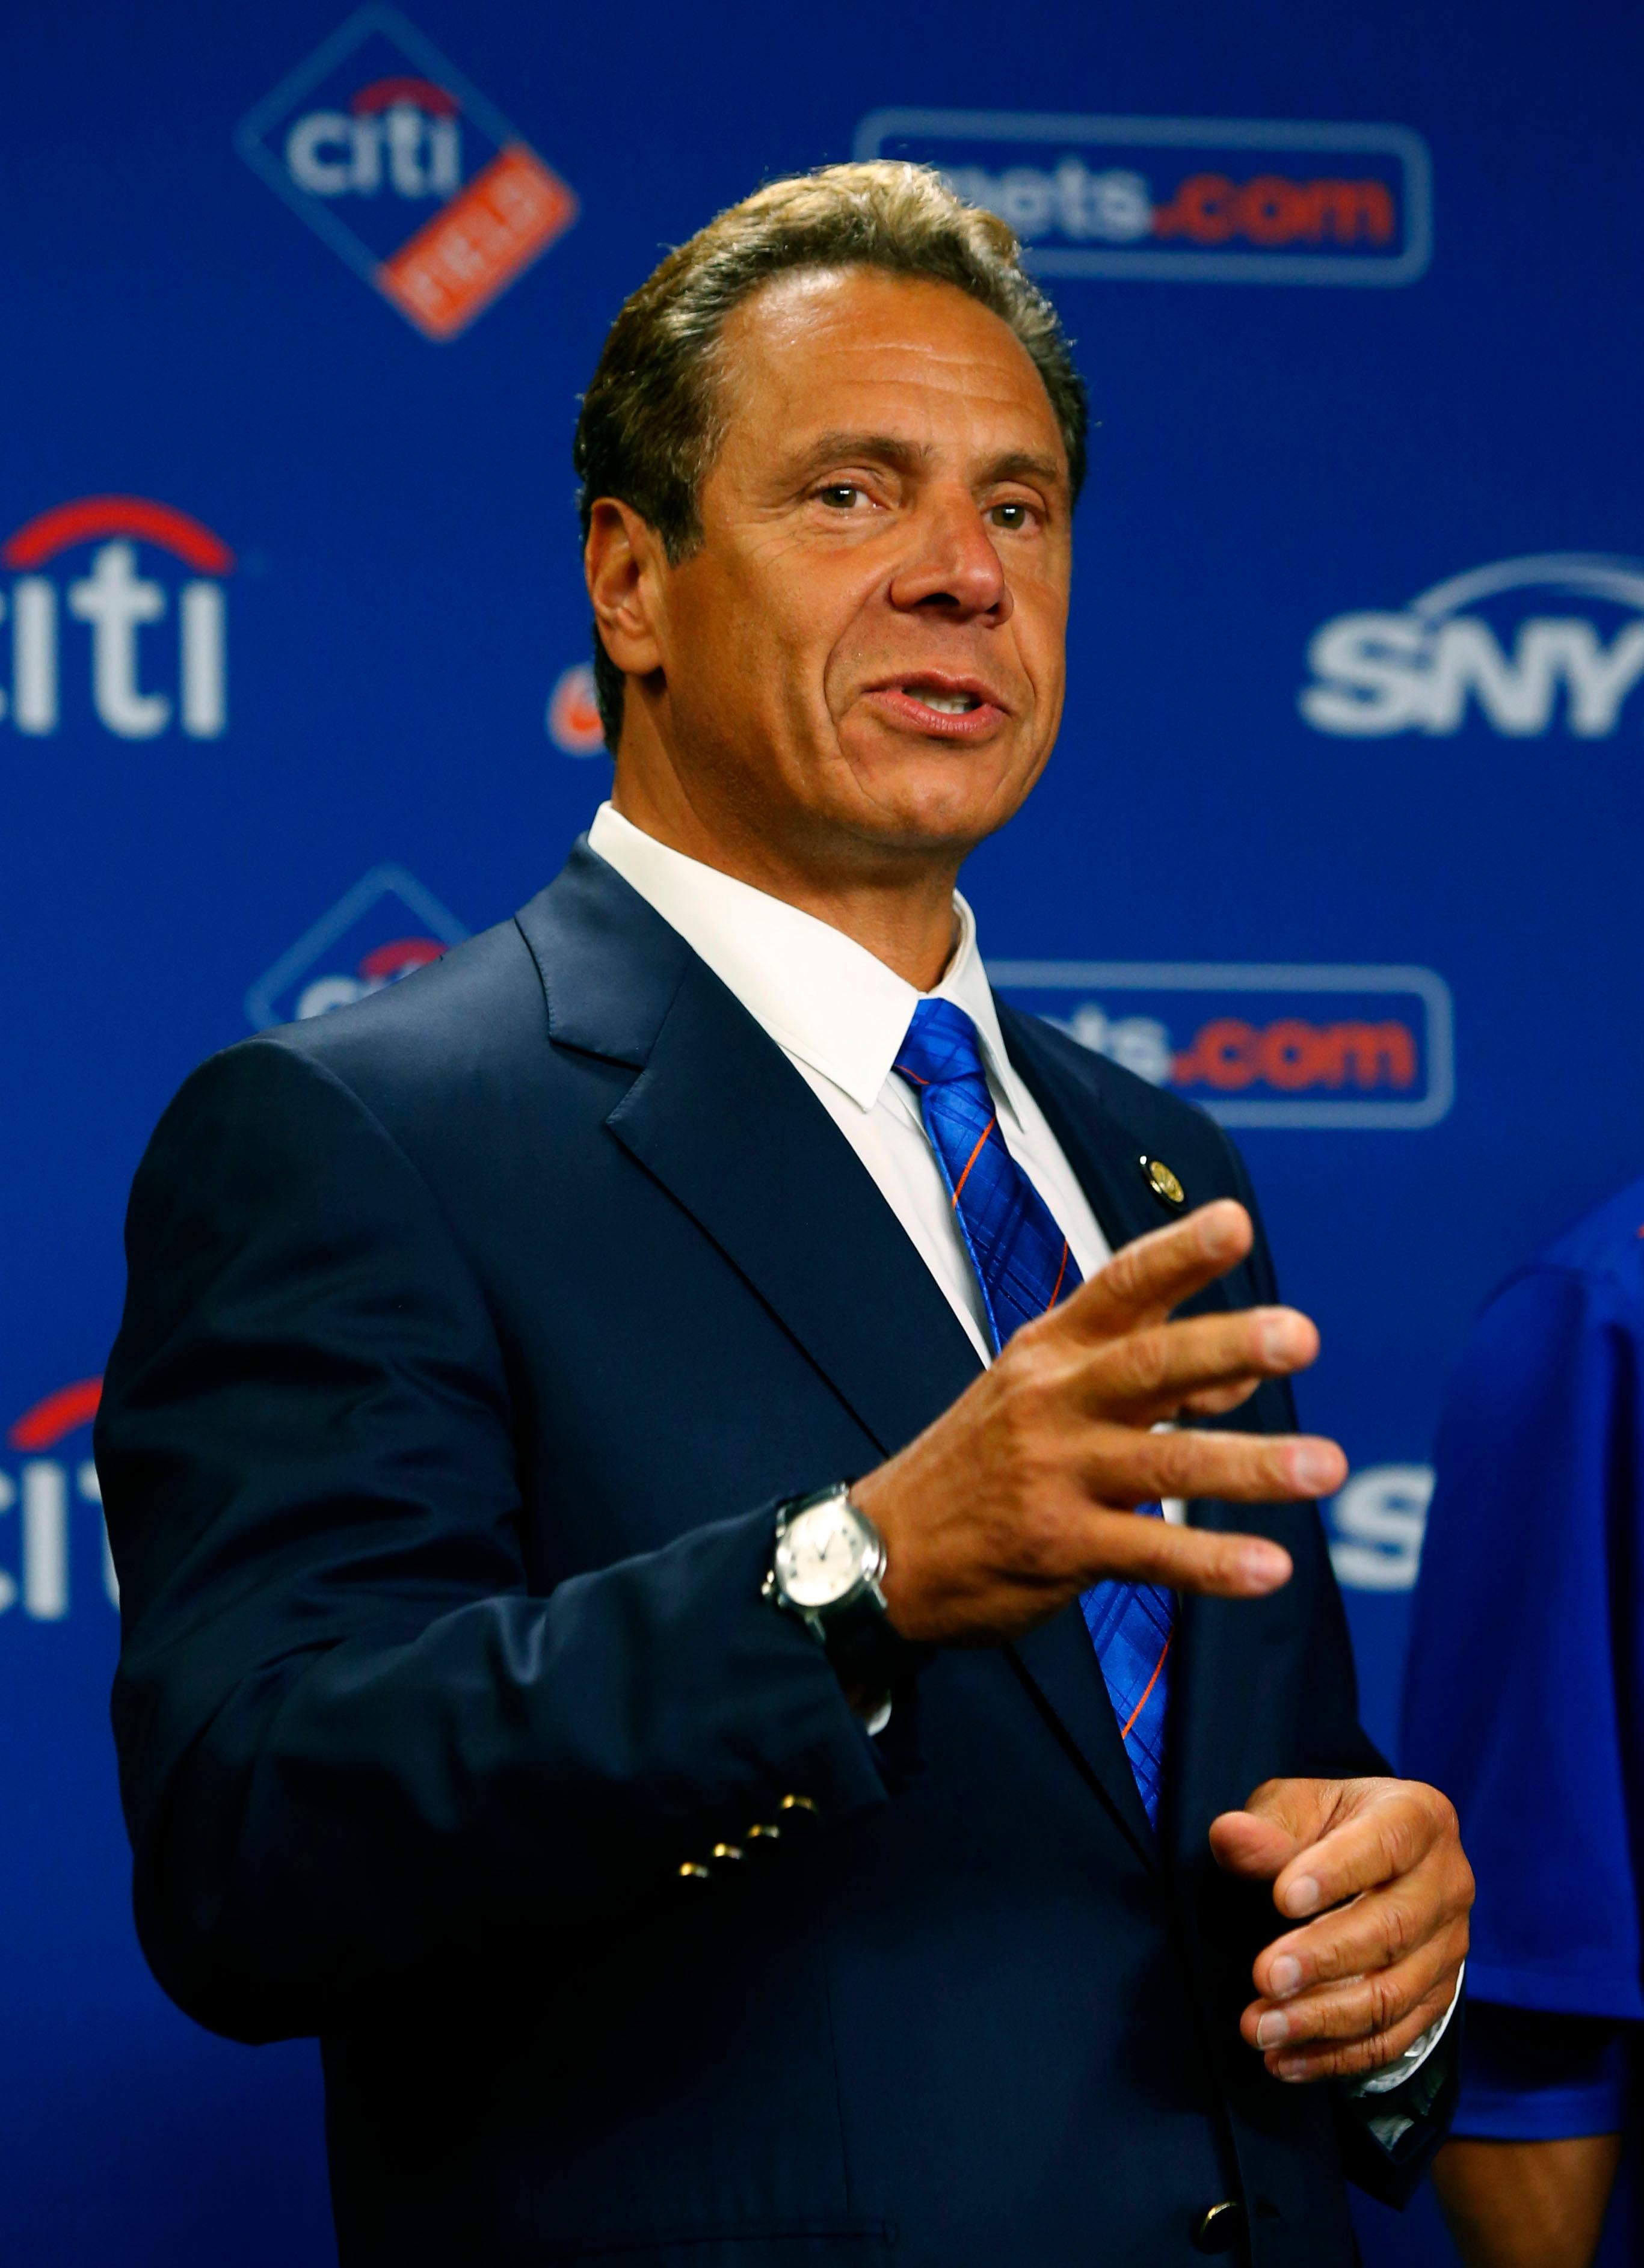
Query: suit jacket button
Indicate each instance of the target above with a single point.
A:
(1221, 2229)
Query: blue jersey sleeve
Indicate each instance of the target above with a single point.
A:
(1532, 2078)
(1521, 1699)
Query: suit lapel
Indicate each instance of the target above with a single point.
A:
(1058, 1665)
(723, 1121)
(1212, 1701)
(1095, 1145)
(726, 1124)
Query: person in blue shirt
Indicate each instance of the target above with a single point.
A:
(1526, 1671)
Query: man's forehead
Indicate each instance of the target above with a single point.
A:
(821, 346)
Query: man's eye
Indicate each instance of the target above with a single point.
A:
(1010, 515)
(840, 496)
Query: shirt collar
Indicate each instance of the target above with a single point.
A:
(820, 994)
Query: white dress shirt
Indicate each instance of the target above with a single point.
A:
(840, 1016)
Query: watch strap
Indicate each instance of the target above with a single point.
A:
(863, 1648)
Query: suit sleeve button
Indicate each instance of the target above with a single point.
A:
(1221, 2228)
(690, 1872)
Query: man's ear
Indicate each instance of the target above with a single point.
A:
(622, 561)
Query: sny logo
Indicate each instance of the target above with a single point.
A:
(1183, 200)
(117, 602)
(1257, 1045)
(381, 930)
(1479, 642)
(407, 171)
(1377, 1524)
(55, 1473)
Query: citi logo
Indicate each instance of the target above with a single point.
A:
(400, 136)
(47, 1481)
(407, 171)
(1480, 647)
(151, 649)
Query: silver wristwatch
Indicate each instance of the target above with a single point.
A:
(826, 1567)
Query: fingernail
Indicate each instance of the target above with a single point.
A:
(1313, 1467)
(1217, 1231)
(1263, 1567)
(1302, 1896)
(1290, 2067)
(1276, 1335)
(1271, 2032)
(1285, 1976)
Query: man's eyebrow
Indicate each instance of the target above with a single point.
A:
(882, 448)
(841, 447)
(1027, 464)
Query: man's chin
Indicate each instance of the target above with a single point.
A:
(919, 797)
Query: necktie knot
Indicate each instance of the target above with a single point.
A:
(941, 1046)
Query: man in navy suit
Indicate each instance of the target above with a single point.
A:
(718, 1586)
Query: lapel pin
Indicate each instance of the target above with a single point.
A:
(1163, 1183)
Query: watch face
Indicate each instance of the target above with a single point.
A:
(820, 1555)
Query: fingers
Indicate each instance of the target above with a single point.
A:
(1257, 1849)
(1352, 2028)
(1152, 1372)
(1385, 1828)
(1130, 1550)
(1249, 1469)
(1279, 1818)
(1377, 1931)
(1350, 1990)
(1125, 1467)
(1144, 1280)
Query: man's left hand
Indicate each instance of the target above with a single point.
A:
(1379, 1863)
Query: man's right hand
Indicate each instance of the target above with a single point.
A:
(1022, 1494)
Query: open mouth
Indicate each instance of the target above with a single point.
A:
(950, 708)
(947, 704)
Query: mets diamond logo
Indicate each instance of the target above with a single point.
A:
(1257, 1044)
(1182, 199)
(381, 930)
(407, 171)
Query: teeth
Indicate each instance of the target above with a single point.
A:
(950, 704)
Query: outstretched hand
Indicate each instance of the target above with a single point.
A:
(1022, 1494)
(1379, 1863)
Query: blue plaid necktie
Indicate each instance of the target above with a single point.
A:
(1024, 1266)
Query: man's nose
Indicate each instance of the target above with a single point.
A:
(951, 566)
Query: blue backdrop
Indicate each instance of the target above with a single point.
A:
(1341, 838)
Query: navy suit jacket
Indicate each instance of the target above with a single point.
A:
(472, 1333)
